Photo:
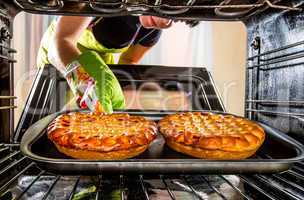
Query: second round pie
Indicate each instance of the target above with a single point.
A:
(212, 136)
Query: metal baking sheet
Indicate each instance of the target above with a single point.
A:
(278, 153)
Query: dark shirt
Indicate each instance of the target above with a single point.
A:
(120, 32)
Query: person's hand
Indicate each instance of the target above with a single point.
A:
(155, 22)
(94, 84)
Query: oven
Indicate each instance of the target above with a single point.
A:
(274, 96)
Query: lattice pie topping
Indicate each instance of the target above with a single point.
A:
(101, 132)
(212, 131)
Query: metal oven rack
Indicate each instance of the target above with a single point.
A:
(276, 186)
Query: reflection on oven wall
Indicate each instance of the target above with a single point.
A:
(218, 46)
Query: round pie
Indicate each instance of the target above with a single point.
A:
(212, 136)
(107, 136)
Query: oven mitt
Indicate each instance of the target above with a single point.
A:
(94, 84)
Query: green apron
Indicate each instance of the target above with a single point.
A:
(86, 41)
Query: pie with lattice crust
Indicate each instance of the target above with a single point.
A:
(212, 136)
(107, 136)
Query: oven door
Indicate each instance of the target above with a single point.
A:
(146, 88)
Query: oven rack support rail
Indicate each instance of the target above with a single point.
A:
(8, 106)
(10, 60)
(275, 186)
(269, 61)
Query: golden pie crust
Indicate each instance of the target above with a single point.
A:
(106, 136)
(212, 136)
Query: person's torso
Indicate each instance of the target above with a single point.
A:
(123, 31)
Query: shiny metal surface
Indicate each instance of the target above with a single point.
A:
(6, 79)
(275, 71)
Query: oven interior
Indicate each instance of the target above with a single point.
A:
(274, 96)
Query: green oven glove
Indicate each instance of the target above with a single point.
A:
(94, 84)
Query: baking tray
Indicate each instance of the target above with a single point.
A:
(278, 153)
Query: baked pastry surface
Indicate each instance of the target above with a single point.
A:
(108, 136)
(212, 136)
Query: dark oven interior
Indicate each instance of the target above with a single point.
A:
(274, 95)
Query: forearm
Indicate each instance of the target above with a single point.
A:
(133, 55)
(63, 52)
(63, 48)
(127, 61)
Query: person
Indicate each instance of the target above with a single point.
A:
(82, 47)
